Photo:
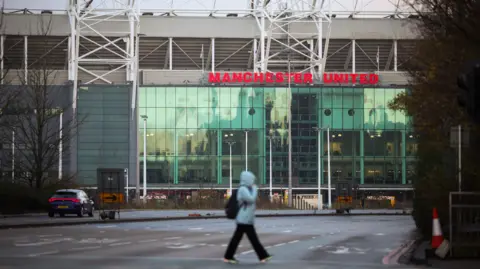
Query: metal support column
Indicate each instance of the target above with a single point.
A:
(25, 58)
(170, 53)
(354, 44)
(2, 41)
(213, 54)
(395, 55)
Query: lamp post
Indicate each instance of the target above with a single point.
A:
(230, 142)
(60, 147)
(318, 130)
(246, 150)
(328, 170)
(144, 117)
(271, 137)
(319, 192)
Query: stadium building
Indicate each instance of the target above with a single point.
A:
(210, 92)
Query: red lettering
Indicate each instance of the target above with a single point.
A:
(363, 79)
(354, 78)
(373, 78)
(269, 77)
(339, 78)
(237, 77)
(214, 78)
(258, 77)
(247, 77)
(297, 78)
(308, 78)
(226, 77)
(279, 77)
(327, 78)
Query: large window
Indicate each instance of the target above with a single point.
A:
(193, 132)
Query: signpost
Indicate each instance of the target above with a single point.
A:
(459, 138)
(111, 187)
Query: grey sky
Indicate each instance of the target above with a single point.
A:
(367, 6)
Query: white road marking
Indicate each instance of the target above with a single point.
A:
(278, 245)
(42, 243)
(211, 245)
(148, 241)
(97, 241)
(85, 248)
(294, 241)
(180, 246)
(224, 245)
(246, 252)
(102, 232)
(49, 235)
(120, 244)
(107, 226)
(340, 250)
(207, 234)
(379, 234)
(287, 231)
(313, 237)
(43, 253)
(195, 229)
(172, 238)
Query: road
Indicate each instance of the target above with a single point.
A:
(309, 242)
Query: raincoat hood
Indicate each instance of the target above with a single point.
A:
(247, 178)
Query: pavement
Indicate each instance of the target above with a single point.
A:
(14, 221)
(295, 242)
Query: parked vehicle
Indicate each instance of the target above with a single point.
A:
(71, 201)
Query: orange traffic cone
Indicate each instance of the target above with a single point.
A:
(437, 237)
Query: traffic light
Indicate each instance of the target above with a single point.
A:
(469, 96)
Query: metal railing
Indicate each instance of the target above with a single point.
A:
(464, 224)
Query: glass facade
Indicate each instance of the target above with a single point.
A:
(191, 132)
(103, 133)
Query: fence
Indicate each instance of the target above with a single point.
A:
(464, 226)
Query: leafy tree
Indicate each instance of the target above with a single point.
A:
(448, 31)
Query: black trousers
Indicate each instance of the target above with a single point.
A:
(252, 236)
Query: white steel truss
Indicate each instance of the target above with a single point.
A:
(86, 20)
(274, 18)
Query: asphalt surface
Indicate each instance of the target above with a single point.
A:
(306, 242)
(143, 214)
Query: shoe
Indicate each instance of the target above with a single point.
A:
(266, 259)
(231, 261)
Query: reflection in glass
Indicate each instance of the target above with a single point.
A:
(186, 128)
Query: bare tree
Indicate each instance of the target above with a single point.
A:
(39, 123)
(7, 93)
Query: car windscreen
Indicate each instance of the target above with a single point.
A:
(65, 194)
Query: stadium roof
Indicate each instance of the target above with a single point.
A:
(341, 8)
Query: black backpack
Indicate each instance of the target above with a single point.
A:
(232, 208)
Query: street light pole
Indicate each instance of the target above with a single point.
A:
(230, 143)
(319, 192)
(144, 117)
(271, 137)
(271, 172)
(246, 150)
(329, 172)
(60, 148)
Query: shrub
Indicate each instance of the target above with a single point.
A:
(18, 198)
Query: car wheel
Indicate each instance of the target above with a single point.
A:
(90, 214)
(80, 213)
(51, 214)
